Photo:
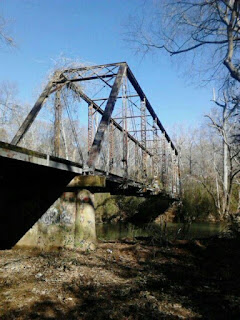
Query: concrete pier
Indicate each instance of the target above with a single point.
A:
(85, 231)
(69, 223)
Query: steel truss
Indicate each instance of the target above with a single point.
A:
(127, 125)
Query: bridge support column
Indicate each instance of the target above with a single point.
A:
(85, 230)
(68, 223)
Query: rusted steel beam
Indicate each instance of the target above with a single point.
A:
(94, 67)
(170, 166)
(32, 114)
(179, 182)
(90, 126)
(130, 117)
(164, 161)
(57, 123)
(89, 78)
(155, 153)
(106, 117)
(56, 88)
(136, 158)
(141, 129)
(174, 174)
(143, 138)
(125, 126)
(139, 90)
(120, 97)
(78, 90)
(111, 146)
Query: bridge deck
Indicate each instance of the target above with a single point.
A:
(114, 183)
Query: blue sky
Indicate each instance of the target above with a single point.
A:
(92, 31)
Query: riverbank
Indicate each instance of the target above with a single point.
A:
(133, 280)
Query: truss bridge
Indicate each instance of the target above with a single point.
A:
(92, 127)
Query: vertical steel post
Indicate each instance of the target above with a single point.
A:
(179, 185)
(169, 167)
(111, 146)
(175, 173)
(143, 138)
(160, 158)
(57, 123)
(155, 152)
(136, 162)
(172, 168)
(125, 128)
(164, 161)
(90, 126)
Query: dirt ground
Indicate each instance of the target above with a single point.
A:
(184, 280)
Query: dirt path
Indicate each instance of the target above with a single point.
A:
(187, 280)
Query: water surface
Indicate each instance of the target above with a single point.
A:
(169, 231)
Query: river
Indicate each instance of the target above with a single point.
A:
(170, 232)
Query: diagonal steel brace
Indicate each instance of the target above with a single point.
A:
(106, 117)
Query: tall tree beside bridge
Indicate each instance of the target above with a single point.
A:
(208, 31)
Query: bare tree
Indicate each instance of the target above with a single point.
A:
(226, 126)
(8, 93)
(208, 181)
(182, 27)
(208, 31)
(8, 108)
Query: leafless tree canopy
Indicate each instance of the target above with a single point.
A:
(210, 163)
(180, 27)
(207, 34)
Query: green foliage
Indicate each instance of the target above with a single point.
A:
(115, 208)
(128, 205)
(197, 203)
(234, 199)
(105, 206)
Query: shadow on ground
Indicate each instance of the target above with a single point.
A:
(184, 280)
